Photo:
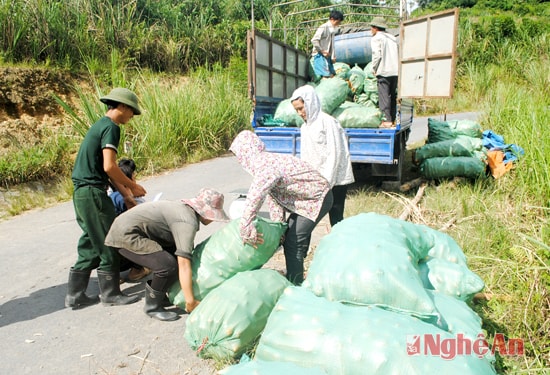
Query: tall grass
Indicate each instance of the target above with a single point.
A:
(184, 119)
(48, 160)
(164, 35)
(502, 225)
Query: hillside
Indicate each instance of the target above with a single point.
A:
(28, 110)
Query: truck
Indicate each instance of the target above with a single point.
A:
(426, 70)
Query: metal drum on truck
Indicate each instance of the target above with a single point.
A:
(353, 48)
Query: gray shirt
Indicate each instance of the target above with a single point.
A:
(156, 226)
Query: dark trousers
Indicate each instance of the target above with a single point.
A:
(336, 213)
(163, 264)
(297, 239)
(95, 213)
(387, 96)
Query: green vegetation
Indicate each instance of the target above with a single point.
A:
(158, 35)
(502, 225)
(187, 119)
(503, 72)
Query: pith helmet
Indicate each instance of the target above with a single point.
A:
(379, 22)
(124, 96)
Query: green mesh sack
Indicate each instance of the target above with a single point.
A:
(230, 319)
(460, 318)
(285, 112)
(371, 259)
(445, 248)
(332, 92)
(460, 146)
(457, 166)
(223, 255)
(446, 130)
(438, 131)
(364, 100)
(356, 340)
(370, 85)
(374, 97)
(368, 72)
(468, 128)
(452, 279)
(356, 80)
(269, 368)
(342, 70)
(354, 115)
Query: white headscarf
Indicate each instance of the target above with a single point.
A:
(323, 142)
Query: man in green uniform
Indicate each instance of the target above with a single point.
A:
(95, 165)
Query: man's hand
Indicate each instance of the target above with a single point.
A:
(130, 202)
(191, 305)
(138, 190)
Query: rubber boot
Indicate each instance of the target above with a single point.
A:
(109, 285)
(76, 290)
(154, 301)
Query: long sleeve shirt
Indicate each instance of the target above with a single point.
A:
(385, 54)
(285, 182)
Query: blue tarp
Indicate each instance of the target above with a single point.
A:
(493, 141)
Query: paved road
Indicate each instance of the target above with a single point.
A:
(39, 336)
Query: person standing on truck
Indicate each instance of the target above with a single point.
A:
(385, 58)
(95, 166)
(323, 45)
(160, 236)
(289, 185)
(324, 145)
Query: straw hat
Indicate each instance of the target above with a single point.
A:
(208, 204)
(124, 96)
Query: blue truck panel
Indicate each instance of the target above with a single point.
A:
(366, 145)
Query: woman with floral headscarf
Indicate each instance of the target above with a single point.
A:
(288, 185)
(324, 145)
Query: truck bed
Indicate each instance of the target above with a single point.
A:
(366, 145)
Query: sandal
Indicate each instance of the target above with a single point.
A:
(136, 274)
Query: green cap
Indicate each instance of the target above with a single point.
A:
(124, 96)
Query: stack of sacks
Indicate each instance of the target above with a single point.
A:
(332, 93)
(356, 80)
(369, 96)
(341, 339)
(351, 96)
(453, 149)
(355, 115)
(285, 112)
(366, 303)
(231, 318)
(342, 70)
(223, 255)
(381, 266)
(361, 109)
